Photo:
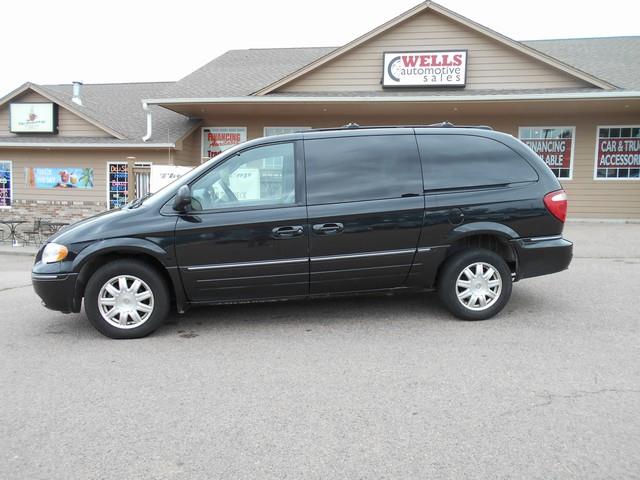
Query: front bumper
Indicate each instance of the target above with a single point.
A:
(542, 255)
(57, 290)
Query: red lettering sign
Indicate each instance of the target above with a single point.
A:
(555, 152)
(619, 153)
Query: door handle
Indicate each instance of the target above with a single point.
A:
(288, 231)
(328, 228)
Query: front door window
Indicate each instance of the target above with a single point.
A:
(261, 176)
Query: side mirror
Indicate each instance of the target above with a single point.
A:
(183, 199)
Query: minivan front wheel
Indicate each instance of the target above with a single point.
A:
(126, 299)
(475, 284)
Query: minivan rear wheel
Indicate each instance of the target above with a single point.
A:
(126, 299)
(475, 284)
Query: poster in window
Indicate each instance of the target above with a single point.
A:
(555, 145)
(245, 183)
(216, 140)
(618, 152)
(6, 190)
(59, 177)
(118, 185)
(163, 175)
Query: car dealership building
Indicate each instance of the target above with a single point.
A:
(68, 151)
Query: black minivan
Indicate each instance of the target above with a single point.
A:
(462, 210)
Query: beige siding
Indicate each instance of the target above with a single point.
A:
(23, 158)
(191, 150)
(491, 65)
(69, 124)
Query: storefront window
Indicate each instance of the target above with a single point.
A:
(6, 185)
(216, 140)
(554, 145)
(269, 131)
(618, 152)
(117, 184)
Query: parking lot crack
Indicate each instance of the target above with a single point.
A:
(550, 398)
(14, 288)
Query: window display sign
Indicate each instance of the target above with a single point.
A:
(445, 68)
(163, 175)
(245, 183)
(33, 117)
(555, 145)
(216, 140)
(6, 190)
(618, 152)
(59, 177)
(117, 184)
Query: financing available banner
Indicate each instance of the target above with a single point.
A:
(216, 140)
(555, 152)
(59, 177)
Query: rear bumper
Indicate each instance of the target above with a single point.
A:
(57, 290)
(542, 255)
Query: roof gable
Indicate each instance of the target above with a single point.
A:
(66, 105)
(429, 26)
(106, 109)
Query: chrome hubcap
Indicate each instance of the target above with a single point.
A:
(125, 301)
(478, 286)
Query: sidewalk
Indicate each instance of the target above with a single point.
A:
(27, 251)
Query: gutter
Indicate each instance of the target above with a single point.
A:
(607, 95)
(145, 107)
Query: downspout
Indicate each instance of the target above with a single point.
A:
(147, 136)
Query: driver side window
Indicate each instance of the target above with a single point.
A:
(259, 176)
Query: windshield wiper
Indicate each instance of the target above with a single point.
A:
(139, 201)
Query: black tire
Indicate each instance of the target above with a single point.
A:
(152, 281)
(451, 271)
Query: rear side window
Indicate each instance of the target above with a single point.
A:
(458, 161)
(351, 169)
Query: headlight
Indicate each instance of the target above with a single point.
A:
(54, 252)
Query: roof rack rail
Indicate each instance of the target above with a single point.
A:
(355, 126)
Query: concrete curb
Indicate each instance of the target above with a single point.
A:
(615, 221)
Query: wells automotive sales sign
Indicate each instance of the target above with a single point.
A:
(444, 68)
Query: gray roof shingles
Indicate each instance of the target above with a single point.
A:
(119, 106)
(240, 73)
(614, 59)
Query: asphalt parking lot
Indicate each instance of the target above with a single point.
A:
(385, 387)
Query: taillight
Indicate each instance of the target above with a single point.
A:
(556, 203)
